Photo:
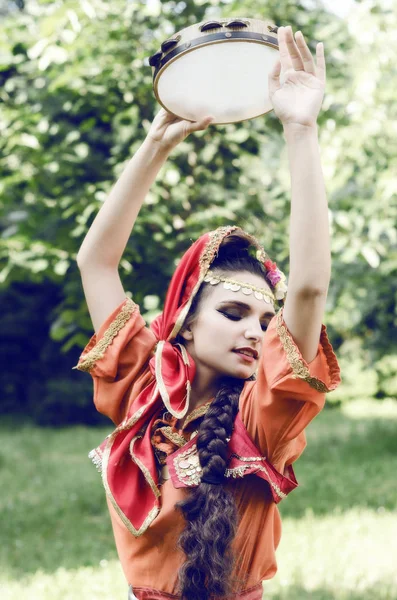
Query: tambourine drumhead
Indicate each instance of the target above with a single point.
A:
(220, 71)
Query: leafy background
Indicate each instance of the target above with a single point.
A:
(76, 101)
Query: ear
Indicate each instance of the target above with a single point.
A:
(187, 334)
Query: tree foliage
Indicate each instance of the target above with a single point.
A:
(76, 101)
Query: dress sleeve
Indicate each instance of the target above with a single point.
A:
(117, 357)
(287, 394)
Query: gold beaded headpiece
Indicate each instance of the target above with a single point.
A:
(235, 286)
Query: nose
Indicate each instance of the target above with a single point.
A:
(254, 332)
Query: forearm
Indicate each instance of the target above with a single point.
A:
(108, 235)
(310, 257)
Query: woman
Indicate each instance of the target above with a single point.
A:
(210, 410)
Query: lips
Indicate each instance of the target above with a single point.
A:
(247, 351)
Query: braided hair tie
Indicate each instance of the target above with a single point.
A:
(212, 480)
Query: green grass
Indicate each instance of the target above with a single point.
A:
(339, 527)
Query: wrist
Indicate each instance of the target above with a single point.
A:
(300, 127)
(296, 131)
(157, 146)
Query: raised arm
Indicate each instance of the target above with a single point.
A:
(105, 242)
(297, 102)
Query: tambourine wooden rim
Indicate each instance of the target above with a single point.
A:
(191, 38)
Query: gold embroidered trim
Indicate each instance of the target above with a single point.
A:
(247, 458)
(189, 471)
(151, 515)
(276, 488)
(182, 315)
(188, 392)
(178, 439)
(128, 423)
(299, 369)
(205, 260)
(185, 356)
(236, 471)
(216, 239)
(196, 413)
(98, 351)
(125, 425)
(212, 246)
(144, 469)
(239, 472)
(163, 390)
(174, 437)
(159, 375)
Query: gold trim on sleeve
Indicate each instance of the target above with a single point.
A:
(98, 351)
(247, 458)
(276, 488)
(298, 366)
(240, 472)
(236, 471)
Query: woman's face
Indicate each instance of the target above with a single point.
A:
(226, 335)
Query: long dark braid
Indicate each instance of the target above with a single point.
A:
(210, 510)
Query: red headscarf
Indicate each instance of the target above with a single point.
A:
(127, 459)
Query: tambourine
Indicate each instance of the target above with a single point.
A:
(217, 68)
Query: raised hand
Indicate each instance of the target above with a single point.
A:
(297, 99)
(168, 130)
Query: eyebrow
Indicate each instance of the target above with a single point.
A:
(246, 307)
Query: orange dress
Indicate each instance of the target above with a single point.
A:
(275, 409)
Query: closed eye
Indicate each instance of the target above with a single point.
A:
(230, 316)
(233, 317)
